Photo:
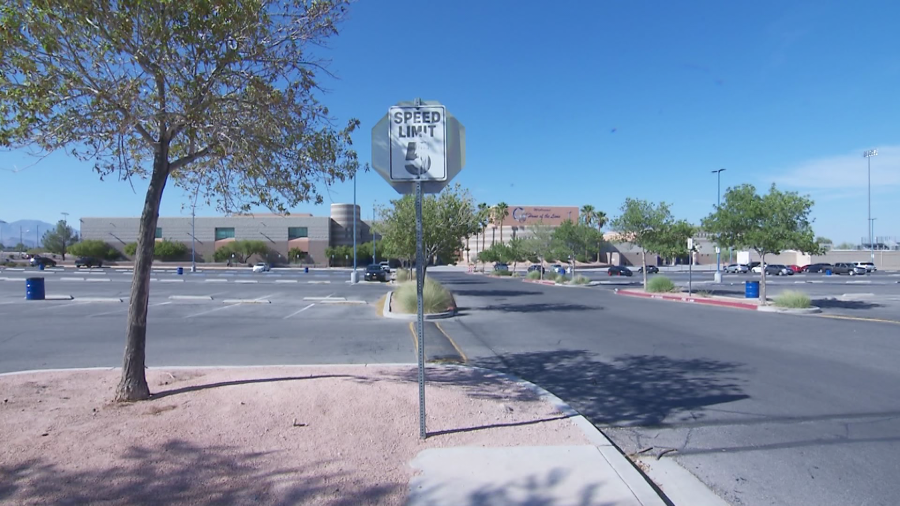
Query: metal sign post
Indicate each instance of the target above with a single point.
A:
(418, 147)
(690, 245)
(420, 309)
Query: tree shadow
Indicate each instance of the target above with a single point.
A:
(497, 426)
(844, 304)
(628, 390)
(179, 472)
(539, 307)
(494, 293)
(194, 388)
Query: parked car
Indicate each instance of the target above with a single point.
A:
(815, 268)
(88, 262)
(869, 266)
(756, 269)
(557, 268)
(500, 266)
(794, 268)
(385, 265)
(651, 269)
(779, 270)
(376, 272)
(617, 270)
(261, 267)
(39, 260)
(848, 268)
(751, 265)
(737, 269)
(537, 268)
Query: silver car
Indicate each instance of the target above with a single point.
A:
(737, 269)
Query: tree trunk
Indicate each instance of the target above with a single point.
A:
(133, 385)
(762, 280)
(644, 266)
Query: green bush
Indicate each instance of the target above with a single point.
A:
(130, 249)
(169, 250)
(792, 299)
(534, 275)
(296, 255)
(94, 248)
(501, 273)
(660, 284)
(579, 280)
(552, 276)
(435, 298)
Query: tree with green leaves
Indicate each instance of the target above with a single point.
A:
(576, 240)
(167, 250)
(651, 227)
(94, 248)
(517, 251)
(220, 97)
(845, 246)
(501, 211)
(767, 224)
(59, 239)
(446, 219)
(482, 220)
(540, 243)
(825, 243)
(241, 251)
(588, 214)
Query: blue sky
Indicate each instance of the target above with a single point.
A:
(591, 102)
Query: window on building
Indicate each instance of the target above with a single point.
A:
(159, 232)
(224, 233)
(297, 232)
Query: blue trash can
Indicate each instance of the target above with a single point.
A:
(40, 267)
(306, 270)
(828, 272)
(180, 271)
(34, 289)
(751, 289)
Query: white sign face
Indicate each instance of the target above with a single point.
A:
(690, 242)
(418, 143)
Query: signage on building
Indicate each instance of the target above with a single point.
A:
(530, 215)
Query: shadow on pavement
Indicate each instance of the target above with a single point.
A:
(179, 472)
(627, 390)
(539, 307)
(494, 293)
(844, 304)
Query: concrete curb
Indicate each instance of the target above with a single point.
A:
(411, 317)
(643, 491)
(246, 301)
(58, 297)
(98, 299)
(190, 297)
(691, 299)
(786, 310)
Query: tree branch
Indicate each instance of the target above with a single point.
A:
(184, 160)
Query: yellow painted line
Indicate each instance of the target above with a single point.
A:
(857, 318)
(455, 346)
(415, 338)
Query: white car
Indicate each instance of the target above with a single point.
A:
(261, 267)
(758, 269)
(868, 266)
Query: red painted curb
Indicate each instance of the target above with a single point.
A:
(686, 298)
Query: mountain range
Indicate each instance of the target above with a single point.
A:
(28, 231)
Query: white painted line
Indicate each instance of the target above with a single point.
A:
(215, 280)
(71, 279)
(58, 297)
(96, 279)
(299, 311)
(98, 299)
(14, 269)
(190, 297)
(325, 298)
(246, 281)
(171, 280)
(286, 281)
(336, 301)
(213, 310)
(8, 279)
(246, 301)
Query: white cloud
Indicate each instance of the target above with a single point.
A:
(845, 173)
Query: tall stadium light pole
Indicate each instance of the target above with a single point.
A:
(868, 156)
(718, 174)
(353, 276)
(374, 239)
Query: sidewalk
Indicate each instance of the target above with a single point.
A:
(305, 435)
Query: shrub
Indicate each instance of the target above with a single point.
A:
(435, 298)
(130, 249)
(296, 255)
(579, 280)
(94, 248)
(501, 273)
(404, 275)
(169, 250)
(792, 299)
(534, 275)
(660, 284)
(551, 276)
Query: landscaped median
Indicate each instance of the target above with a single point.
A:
(780, 305)
(401, 304)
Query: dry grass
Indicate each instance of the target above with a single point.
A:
(436, 298)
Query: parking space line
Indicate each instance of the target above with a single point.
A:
(856, 318)
(299, 311)
(212, 310)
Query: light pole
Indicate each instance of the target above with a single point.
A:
(868, 156)
(718, 173)
(374, 239)
(353, 277)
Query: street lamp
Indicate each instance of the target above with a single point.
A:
(868, 156)
(353, 275)
(718, 173)
(374, 239)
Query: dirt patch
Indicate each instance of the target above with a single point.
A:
(287, 435)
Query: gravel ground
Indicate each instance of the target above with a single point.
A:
(337, 435)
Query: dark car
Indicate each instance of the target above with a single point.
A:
(46, 262)
(376, 272)
(537, 268)
(813, 268)
(778, 270)
(619, 271)
(847, 268)
(87, 262)
(651, 269)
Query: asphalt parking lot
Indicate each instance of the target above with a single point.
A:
(230, 318)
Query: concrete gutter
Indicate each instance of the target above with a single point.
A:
(411, 317)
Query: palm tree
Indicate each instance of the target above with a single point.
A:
(482, 216)
(600, 219)
(588, 214)
(501, 211)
